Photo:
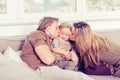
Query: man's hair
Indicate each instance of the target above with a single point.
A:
(45, 22)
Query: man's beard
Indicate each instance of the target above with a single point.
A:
(51, 35)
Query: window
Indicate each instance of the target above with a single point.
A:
(7, 9)
(30, 11)
(35, 9)
(47, 6)
(3, 7)
(101, 9)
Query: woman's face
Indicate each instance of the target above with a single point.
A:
(72, 36)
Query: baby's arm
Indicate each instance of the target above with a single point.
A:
(59, 50)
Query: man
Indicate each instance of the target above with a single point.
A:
(36, 49)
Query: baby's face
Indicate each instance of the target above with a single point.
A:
(65, 33)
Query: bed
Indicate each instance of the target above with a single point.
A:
(16, 70)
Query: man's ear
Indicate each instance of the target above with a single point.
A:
(47, 28)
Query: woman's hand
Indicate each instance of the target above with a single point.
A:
(74, 57)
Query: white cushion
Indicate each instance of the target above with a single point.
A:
(0, 53)
(10, 70)
(11, 54)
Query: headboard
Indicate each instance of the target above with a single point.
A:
(111, 35)
(15, 42)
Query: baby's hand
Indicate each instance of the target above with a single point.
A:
(67, 56)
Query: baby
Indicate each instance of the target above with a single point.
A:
(66, 57)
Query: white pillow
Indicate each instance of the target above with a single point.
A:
(0, 53)
(11, 54)
(19, 52)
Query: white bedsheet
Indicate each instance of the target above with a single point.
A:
(10, 70)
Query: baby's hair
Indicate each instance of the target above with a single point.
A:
(65, 25)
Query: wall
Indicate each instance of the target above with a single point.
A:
(16, 30)
(24, 29)
(105, 24)
(107, 20)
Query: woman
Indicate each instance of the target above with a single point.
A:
(96, 54)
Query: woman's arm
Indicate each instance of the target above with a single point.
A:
(74, 57)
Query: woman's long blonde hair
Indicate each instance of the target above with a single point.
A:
(88, 43)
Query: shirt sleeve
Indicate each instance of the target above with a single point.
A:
(38, 42)
(37, 39)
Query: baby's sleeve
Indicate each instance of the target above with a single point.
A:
(55, 43)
